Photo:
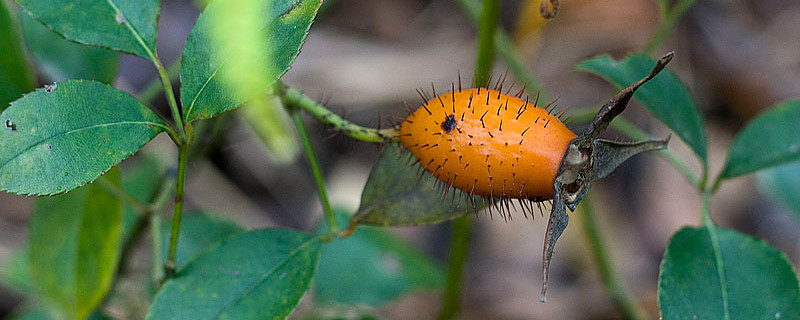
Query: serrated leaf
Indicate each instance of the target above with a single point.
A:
(60, 60)
(126, 25)
(74, 242)
(203, 93)
(372, 267)
(782, 184)
(199, 230)
(664, 96)
(261, 274)
(749, 279)
(397, 194)
(769, 140)
(16, 76)
(62, 137)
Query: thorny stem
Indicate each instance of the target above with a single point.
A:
(295, 98)
(316, 171)
(631, 130)
(506, 50)
(605, 267)
(459, 240)
(670, 17)
(169, 265)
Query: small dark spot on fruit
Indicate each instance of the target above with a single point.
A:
(449, 123)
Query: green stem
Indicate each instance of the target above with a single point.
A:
(169, 265)
(459, 241)
(605, 267)
(152, 89)
(505, 48)
(486, 28)
(294, 98)
(632, 131)
(119, 193)
(173, 103)
(316, 171)
(670, 19)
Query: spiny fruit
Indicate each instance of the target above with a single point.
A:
(488, 143)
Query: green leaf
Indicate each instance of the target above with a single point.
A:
(372, 267)
(769, 140)
(396, 194)
(782, 184)
(757, 281)
(16, 76)
(74, 242)
(664, 96)
(61, 137)
(61, 60)
(126, 25)
(261, 274)
(199, 230)
(203, 92)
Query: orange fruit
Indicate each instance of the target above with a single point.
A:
(488, 143)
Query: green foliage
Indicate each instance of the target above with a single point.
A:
(261, 274)
(748, 280)
(60, 60)
(372, 267)
(126, 25)
(74, 242)
(783, 184)
(16, 76)
(61, 137)
(203, 93)
(14, 272)
(199, 230)
(664, 96)
(769, 140)
(396, 194)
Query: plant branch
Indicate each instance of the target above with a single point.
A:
(294, 98)
(605, 267)
(169, 265)
(316, 171)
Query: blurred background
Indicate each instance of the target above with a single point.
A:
(363, 58)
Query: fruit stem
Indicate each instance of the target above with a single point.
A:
(294, 98)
